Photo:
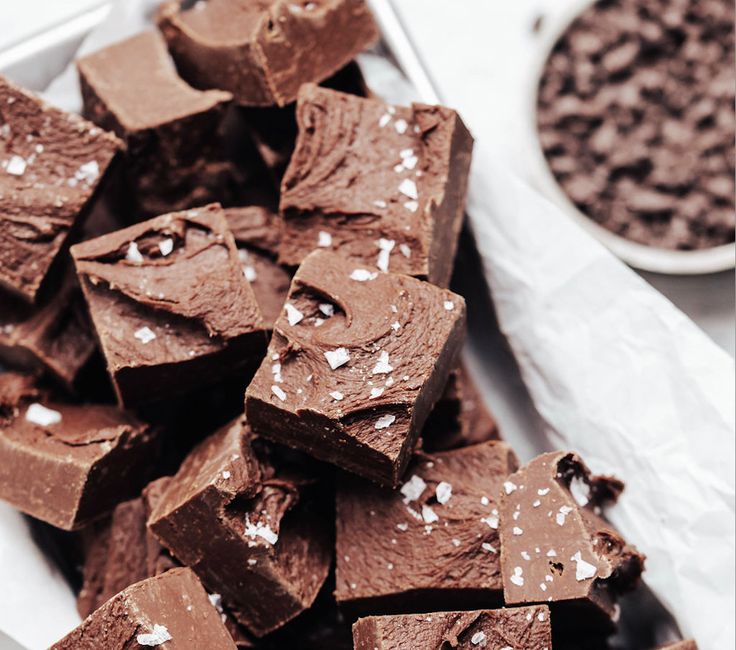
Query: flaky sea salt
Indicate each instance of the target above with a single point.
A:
(337, 395)
(159, 635)
(327, 309)
(562, 514)
(16, 166)
(583, 570)
(260, 530)
(405, 250)
(279, 393)
(382, 367)
(518, 578)
(145, 335)
(376, 393)
(363, 275)
(413, 488)
(336, 358)
(88, 173)
(250, 273)
(41, 415)
(580, 491)
(133, 254)
(401, 126)
(443, 492)
(385, 246)
(293, 315)
(478, 638)
(409, 189)
(385, 421)
(324, 239)
(449, 306)
(166, 246)
(429, 515)
(412, 206)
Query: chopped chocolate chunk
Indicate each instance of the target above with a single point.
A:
(170, 304)
(356, 362)
(171, 611)
(53, 336)
(256, 230)
(119, 553)
(636, 119)
(460, 417)
(174, 158)
(51, 163)
(523, 628)
(246, 525)
(556, 548)
(433, 544)
(383, 185)
(263, 51)
(68, 464)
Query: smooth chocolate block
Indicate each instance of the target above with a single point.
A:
(431, 545)
(170, 611)
(556, 548)
(51, 163)
(175, 159)
(523, 628)
(356, 362)
(382, 185)
(256, 230)
(54, 336)
(262, 52)
(460, 417)
(120, 552)
(170, 304)
(68, 464)
(249, 527)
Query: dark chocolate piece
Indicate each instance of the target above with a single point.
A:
(523, 628)
(382, 185)
(356, 362)
(53, 336)
(247, 527)
(636, 119)
(256, 230)
(170, 304)
(460, 417)
(263, 51)
(51, 163)
(431, 545)
(556, 548)
(68, 464)
(170, 611)
(174, 159)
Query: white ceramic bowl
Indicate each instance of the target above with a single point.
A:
(647, 258)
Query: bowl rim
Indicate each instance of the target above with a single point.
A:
(640, 256)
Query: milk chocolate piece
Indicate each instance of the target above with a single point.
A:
(170, 611)
(256, 230)
(263, 51)
(431, 545)
(382, 185)
(523, 628)
(119, 553)
(460, 417)
(556, 548)
(170, 304)
(247, 526)
(51, 163)
(53, 336)
(356, 362)
(68, 464)
(681, 645)
(174, 156)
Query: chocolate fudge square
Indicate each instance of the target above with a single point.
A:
(460, 417)
(170, 304)
(380, 184)
(174, 158)
(252, 526)
(68, 464)
(523, 628)
(171, 611)
(53, 336)
(356, 362)
(51, 163)
(557, 549)
(256, 230)
(431, 545)
(263, 51)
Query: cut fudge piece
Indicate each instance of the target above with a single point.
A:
(524, 628)
(174, 159)
(119, 553)
(68, 464)
(170, 304)
(380, 184)
(263, 51)
(247, 524)
(53, 336)
(356, 362)
(256, 230)
(431, 545)
(556, 548)
(460, 417)
(170, 611)
(51, 163)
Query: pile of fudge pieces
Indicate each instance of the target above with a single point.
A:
(236, 399)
